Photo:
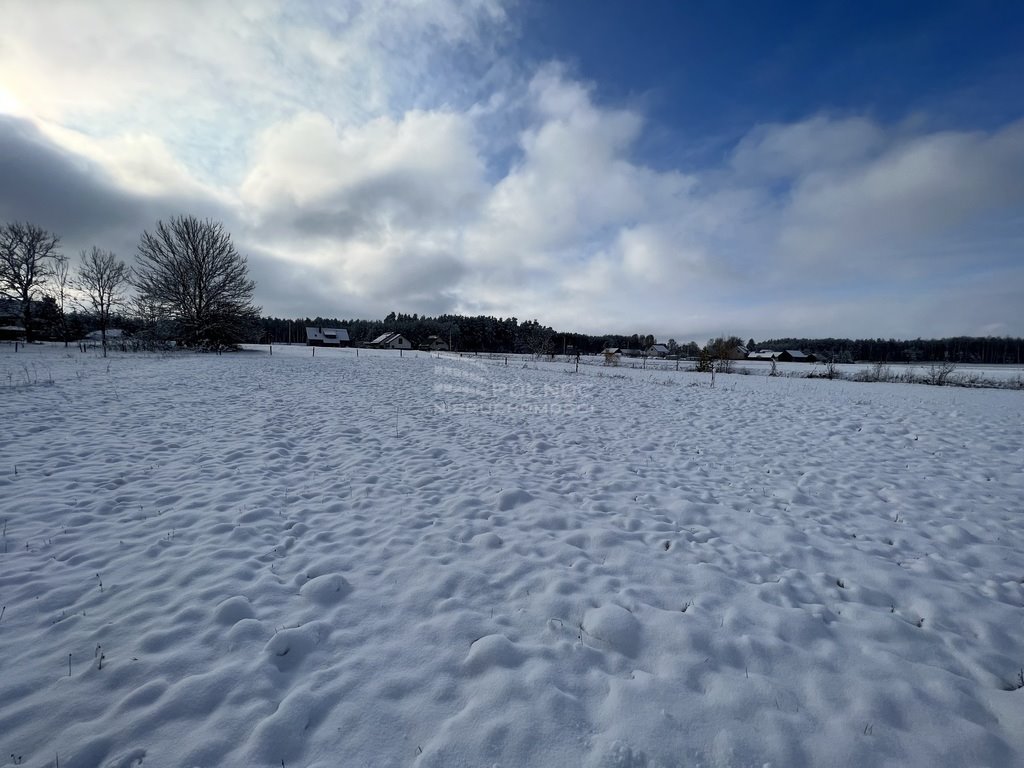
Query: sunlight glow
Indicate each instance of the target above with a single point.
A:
(8, 104)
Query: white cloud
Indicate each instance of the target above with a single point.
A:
(890, 214)
(422, 168)
(778, 151)
(575, 188)
(377, 208)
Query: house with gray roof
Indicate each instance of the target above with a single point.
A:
(317, 336)
(391, 340)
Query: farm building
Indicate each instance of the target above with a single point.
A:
(763, 354)
(434, 344)
(657, 350)
(796, 356)
(391, 341)
(326, 337)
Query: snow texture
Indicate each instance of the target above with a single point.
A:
(256, 560)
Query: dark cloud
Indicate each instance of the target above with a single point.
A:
(75, 198)
(67, 194)
(297, 290)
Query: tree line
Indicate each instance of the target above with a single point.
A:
(986, 350)
(477, 333)
(188, 285)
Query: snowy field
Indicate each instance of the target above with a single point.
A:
(288, 560)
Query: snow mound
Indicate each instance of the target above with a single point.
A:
(488, 540)
(288, 648)
(328, 589)
(493, 651)
(233, 610)
(615, 626)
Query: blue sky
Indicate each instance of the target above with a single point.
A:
(682, 169)
(712, 69)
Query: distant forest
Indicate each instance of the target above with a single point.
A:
(959, 349)
(494, 334)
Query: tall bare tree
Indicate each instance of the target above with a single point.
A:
(26, 261)
(62, 284)
(189, 272)
(102, 279)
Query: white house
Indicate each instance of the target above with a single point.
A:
(391, 341)
(657, 350)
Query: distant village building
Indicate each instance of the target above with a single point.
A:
(657, 350)
(735, 353)
(391, 341)
(796, 356)
(317, 336)
(763, 354)
(434, 344)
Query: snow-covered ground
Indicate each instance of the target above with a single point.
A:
(255, 560)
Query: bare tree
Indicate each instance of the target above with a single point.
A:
(26, 256)
(536, 337)
(939, 373)
(102, 279)
(188, 272)
(720, 352)
(62, 284)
